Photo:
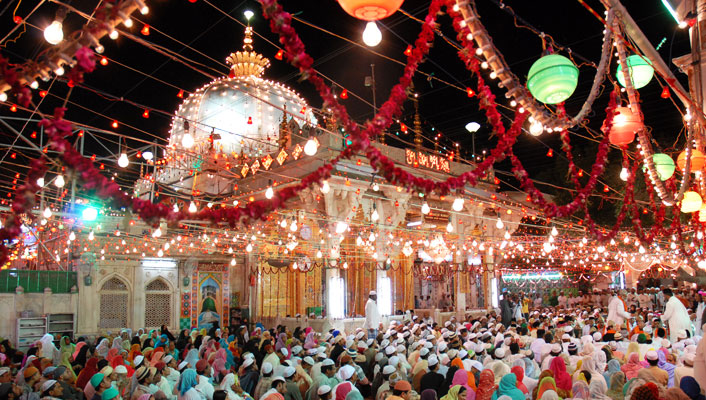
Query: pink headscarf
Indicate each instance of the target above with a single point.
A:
(461, 378)
(561, 377)
(79, 345)
(632, 367)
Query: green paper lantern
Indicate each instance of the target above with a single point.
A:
(552, 79)
(664, 165)
(640, 70)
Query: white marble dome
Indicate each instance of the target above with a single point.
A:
(243, 113)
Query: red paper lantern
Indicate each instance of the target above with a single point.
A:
(625, 124)
(370, 10)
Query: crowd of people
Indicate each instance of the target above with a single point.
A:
(604, 350)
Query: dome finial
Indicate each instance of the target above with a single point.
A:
(247, 62)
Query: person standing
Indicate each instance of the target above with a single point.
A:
(617, 311)
(372, 315)
(676, 315)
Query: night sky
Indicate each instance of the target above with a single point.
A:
(144, 78)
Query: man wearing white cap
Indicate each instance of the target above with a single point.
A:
(432, 379)
(661, 376)
(686, 370)
(327, 377)
(372, 315)
(265, 382)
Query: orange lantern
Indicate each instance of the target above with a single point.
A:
(697, 160)
(625, 124)
(370, 10)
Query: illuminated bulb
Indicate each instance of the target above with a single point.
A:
(248, 248)
(310, 147)
(232, 262)
(157, 232)
(507, 235)
(449, 227)
(34, 85)
(293, 226)
(641, 250)
(91, 236)
(682, 25)
(547, 247)
(192, 207)
(325, 188)
(375, 216)
(345, 265)
(283, 224)
(128, 23)
(699, 235)
(72, 236)
(624, 174)
(269, 193)
(425, 208)
(372, 35)
(554, 231)
(123, 161)
(160, 253)
(113, 34)
(47, 213)
(493, 75)
(484, 65)
(40, 182)
(100, 49)
(144, 10)
(59, 71)
(536, 128)
(376, 187)
(341, 227)
(148, 155)
(54, 33)
(318, 254)
(499, 224)
(59, 181)
(371, 238)
(513, 103)
(248, 14)
(3, 97)
(458, 204)
(187, 141)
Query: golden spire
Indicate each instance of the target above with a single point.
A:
(247, 62)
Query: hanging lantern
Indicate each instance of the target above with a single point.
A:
(697, 160)
(640, 70)
(625, 124)
(664, 165)
(691, 202)
(552, 79)
(370, 10)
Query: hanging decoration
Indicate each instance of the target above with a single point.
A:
(640, 71)
(370, 10)
(552, 79)
(625, 125)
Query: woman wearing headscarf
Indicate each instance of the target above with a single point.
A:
(486, 385)
(500, 369)
(183, 339)
(617, 381)
(589, 364)
(428, 394)
(508, 387)
(545, 384)
(281, 342)
(520, 374)
(669, 367)
(87, 372)
(550, 395)
(613, 367)
(600, 359)
(309, 341)
(192, 357)
(631, 385)
(598, 389)
(187, 386)
(461, 378)
(692, 389)
(65, 346)
(455, 393)
(632, 366)
(79, 357)
(675, 394)
(561, 377)
(580, 390)
(633, 347)
(644, 392)
(49, 350)
(229, 381)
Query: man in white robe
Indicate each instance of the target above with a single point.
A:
(372, 315)
(676, 315)
(616, 310)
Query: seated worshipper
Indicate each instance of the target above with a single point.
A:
(279, 388)
(346, 390)
(98, 384)
(692, 389)
(433, 379)
(617, 382)
(144, 377)
(187, 386)
(265, 382)
(632, 366)
(51, 390)
(457, 392)
(250, 375)
(231, 387)
(293, 392)
(461, 378)
(508, 387)
(686, 370)
(401, 391)
(661, 376)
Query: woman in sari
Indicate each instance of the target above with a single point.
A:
(612, 368)
(508, 387)
(561, 377)
(545, 384)
(580, 390)
(461, 378)
(617, 381)
(486, 385)
(632, 366)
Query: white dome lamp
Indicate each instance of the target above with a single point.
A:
(311, 147)
(187, 140)
(54, 32)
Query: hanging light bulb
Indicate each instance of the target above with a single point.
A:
(325, 188)
(269, 193)
(47, 213)
(536, 128)
(375, 216)
(293, 226)
(507, 235)
(341, 227)
(113, 34)
(458, 204)
(449, 227)
(72, 236)
(187, 141)
(319, 254)
(376, 187)
(160, 253)
(425, 208)
(59, 181)
(372, 35)
(283, 224)
(248, 248)
(499, 224)
(123, 160)
(310, 147)
(624, 174)
(232, 262)
(91, 235)
(192, 207)
(554, 231)
(40, 182)
(372, 237)
(54, 33)
(3, 97)
(157, 232)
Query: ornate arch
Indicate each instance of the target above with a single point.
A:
(159, 302)
(114, 298)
